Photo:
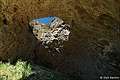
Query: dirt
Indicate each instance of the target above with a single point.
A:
(95, 25)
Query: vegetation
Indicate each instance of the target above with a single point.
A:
(14, 72)
(23, 71)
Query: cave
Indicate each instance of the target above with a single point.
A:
(86, 56)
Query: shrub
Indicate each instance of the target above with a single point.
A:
(14, 72)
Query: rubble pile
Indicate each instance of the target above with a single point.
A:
(52, 34)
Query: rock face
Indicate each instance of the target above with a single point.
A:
(93, 49)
